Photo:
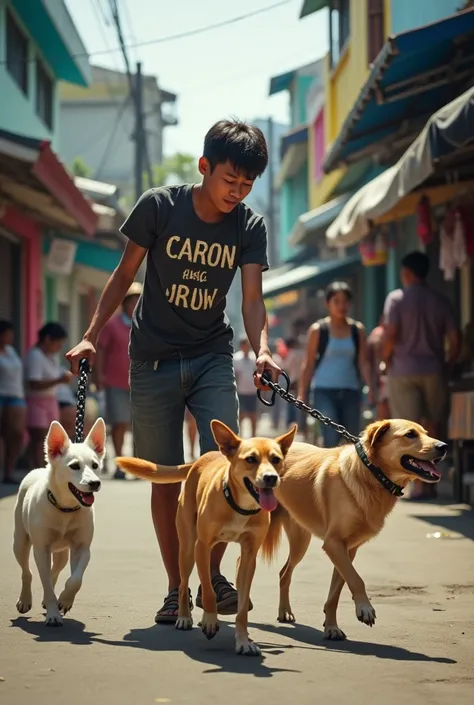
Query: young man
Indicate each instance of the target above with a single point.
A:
(418, 322)
(195, 237)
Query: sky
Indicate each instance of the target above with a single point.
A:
(216, 74)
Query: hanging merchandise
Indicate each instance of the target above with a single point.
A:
(467, 217)
(374, 250)
(424, 221)
(452, 251)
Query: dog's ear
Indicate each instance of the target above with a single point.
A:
(226, 439)
(287, 439)
(56, 443)
(376, 431)
(96, 437)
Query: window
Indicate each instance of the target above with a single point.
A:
(375, 29)
(339, 28)
(17, 53)
(44, 95)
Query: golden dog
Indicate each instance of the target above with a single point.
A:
(343, 495)
(222, 500)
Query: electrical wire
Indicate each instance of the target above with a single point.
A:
(174, 37)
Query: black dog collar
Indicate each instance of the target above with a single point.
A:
(55, 503)
(233, 504)
(380, 476)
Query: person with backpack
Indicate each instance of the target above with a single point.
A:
(335, 365)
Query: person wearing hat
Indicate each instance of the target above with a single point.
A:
(112, 369)
(195, 237)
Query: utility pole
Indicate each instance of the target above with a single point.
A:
(136, 94)
(272, 239)
(139, 132)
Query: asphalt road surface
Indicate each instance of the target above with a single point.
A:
(111, 652)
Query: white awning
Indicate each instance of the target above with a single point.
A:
(416, 165)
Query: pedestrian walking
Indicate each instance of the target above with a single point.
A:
(244, 364)
(194, 237)
(335, 365)
(418, 323)
(12, 402)
(43, 374)
(113, 365)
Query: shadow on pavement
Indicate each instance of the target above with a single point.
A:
(460, 521)
(313, 637)
(219, 653)
(73, 632)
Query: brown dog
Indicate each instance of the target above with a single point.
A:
(222, 500)
(335, 494)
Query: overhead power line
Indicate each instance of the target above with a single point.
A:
(179, 35)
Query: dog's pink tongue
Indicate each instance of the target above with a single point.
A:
(267, 500)
(430, 468)
(88, 499)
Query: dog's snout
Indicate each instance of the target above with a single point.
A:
(270, 479)
(94, 485)
(441, 447)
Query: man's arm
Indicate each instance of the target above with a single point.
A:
(390, 312)
(363, 360)
(255, 318)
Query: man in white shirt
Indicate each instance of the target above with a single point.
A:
(244, 364)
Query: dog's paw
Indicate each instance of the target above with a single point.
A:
(24, 603)
(65, 602)
(209, 624)
(184, 623)
(286, 615)
(365, 613)
(333, 633)
(246, 647)
(53, 619)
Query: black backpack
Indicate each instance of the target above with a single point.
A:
(324, 340)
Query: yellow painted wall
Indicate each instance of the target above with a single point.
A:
(342, 85)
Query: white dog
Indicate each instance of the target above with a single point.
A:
(54, 514)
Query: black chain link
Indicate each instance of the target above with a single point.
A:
(84, 370)
(299, 404)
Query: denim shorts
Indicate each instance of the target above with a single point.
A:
(161, 391)
(11, 401)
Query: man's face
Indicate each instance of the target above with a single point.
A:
(406, 277)
(225, 186)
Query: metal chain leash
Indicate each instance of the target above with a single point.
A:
(299, 404)
(84, 369)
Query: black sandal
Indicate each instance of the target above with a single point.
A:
(171, 604)
(226, 594)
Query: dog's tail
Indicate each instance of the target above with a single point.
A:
(272, 539)
(160, 474)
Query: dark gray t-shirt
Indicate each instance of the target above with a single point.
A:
(423, 318)
(190, 267)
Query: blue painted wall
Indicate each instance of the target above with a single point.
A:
(408, 14)
(293, 203)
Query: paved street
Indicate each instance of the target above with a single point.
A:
(110, 650)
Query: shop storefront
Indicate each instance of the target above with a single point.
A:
(36, 193)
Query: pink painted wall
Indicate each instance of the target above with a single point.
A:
(32, 290)
(318, 142)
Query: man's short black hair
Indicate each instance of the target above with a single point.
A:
(53, 331)
(239, 143)
(417, 263)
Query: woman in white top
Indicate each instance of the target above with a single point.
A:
(43, 374)
(12, 402)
